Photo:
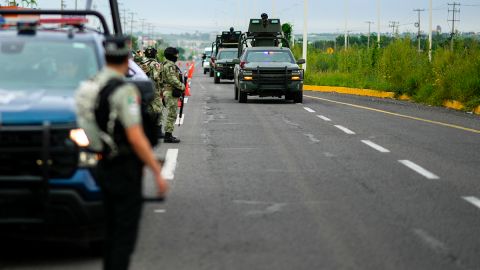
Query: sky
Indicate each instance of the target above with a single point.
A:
(323, 16)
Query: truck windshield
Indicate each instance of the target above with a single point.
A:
(227, 55)
(269, 56)
(40, 64)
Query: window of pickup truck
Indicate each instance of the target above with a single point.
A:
(227, 55)
(41, 64)
(269, 56)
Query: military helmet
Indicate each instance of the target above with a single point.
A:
(151, 52)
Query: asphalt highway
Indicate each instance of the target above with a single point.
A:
(338, 182)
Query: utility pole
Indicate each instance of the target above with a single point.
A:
(430, 32)
(369, 33)
(454, 19)
(394, 26)
(305, 33)
(124, 18)
(346, 24)
(418, 25)
(378, 24)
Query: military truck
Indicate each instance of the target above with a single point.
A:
(223, 52)
(48, 188)
(265, 66)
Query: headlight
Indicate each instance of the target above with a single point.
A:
(87, 160)
(79, 137)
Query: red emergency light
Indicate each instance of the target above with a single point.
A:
(66, 21)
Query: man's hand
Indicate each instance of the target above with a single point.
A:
(162, 184)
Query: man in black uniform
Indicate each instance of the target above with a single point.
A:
(120, 175)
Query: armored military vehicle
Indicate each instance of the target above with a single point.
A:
(223, 53)
(266, 66)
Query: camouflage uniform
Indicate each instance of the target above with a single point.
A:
(153, 70)
(171, 79)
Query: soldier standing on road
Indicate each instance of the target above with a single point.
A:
(152, 68)
(173, 87)
(120, 175)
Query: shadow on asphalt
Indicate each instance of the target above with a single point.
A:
(26, 252)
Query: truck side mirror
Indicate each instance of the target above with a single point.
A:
(301, 61)
(236, 61)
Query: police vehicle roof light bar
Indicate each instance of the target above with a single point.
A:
(106, 30)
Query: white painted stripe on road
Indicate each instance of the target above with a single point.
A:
(168, 170)
(308, 109)
(179, 120)
(375, 146)
(473, 200)
(344, 129)
(324, 118)
(419, 169)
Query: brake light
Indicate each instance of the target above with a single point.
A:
(242, 64)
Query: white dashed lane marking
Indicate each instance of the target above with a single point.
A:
(346, 130)
(419, 169)
(324, 118)
(168, 170)
(375, 146)
(309, 110)
(473, 200)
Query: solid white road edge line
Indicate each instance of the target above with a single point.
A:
(324, 118)
(419, 169)
(344, 129)
(473, 200)
(375, 146)
(308, 109)
(168, 170)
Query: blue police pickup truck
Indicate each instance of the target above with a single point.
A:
(47, 183)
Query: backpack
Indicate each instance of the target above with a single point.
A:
(106, 134)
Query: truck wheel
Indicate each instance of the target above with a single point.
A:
(204, 71)
(298, 97)
(236, 93)
(211, 73)
(216, 79)
(243, 97)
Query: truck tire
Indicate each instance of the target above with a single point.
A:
(211, 73)
(236, 93)
(243, 97)
(298, 97)
(216, 79)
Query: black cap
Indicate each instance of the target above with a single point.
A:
(116, 46)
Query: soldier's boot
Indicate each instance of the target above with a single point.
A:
(170, 139)
(160, 132)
